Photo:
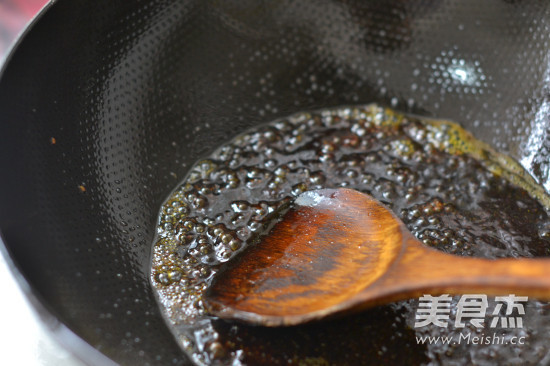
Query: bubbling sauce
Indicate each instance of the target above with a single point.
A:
(453, 192)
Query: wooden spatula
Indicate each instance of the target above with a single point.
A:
(339, 250)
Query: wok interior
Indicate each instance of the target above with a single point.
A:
(106, 104)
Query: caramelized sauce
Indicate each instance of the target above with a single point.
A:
(452, 191)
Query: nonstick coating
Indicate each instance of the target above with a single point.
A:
(105, 104)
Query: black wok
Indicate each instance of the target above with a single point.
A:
(105, 104)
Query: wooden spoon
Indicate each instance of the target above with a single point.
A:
(339, 250)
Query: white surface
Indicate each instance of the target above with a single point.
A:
(24, 340)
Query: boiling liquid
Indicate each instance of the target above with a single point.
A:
(453, 192)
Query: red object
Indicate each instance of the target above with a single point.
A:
(14, 16)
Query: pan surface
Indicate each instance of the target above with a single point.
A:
(106, 104)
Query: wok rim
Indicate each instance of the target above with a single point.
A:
(46, 317)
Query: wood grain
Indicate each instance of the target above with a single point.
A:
(340, 250)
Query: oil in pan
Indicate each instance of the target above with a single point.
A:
(453, 192)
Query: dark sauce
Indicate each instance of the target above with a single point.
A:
(453, 192)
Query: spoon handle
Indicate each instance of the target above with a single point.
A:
(421, 270)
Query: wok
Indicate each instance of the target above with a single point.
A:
(105, 104)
